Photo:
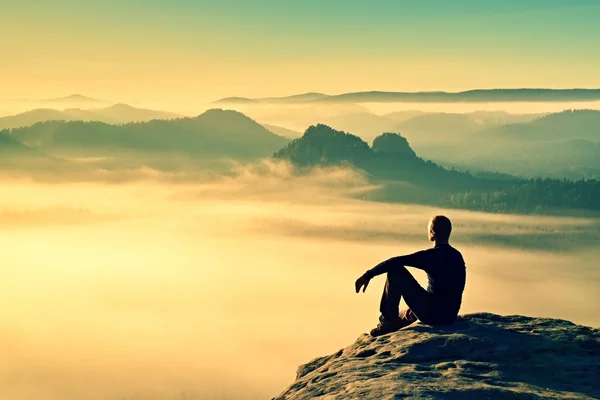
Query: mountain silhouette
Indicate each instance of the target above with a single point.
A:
(294, 98)
(403, 176)
(18, 157)
(215, 133)
(115, 114)
(73, 98)
(236, 100)
(322, 145)
(123, 113)
(8, 145)
(435, 127)
(390, 157)
(281, 131)
(393, 145)
(477, 95)
(417, 126)
(566, 125)
(564, 144)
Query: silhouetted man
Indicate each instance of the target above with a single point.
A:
(446, 272)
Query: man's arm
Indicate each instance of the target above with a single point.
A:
(420, 260)
(417, 260)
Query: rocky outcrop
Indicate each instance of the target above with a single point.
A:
(393, 144)
(322, 145)
(481, 356)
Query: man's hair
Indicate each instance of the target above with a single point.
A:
(442, 227)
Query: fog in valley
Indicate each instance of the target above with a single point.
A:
(219, 288)
(298, 116)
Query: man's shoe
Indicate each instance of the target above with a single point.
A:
(388, 326)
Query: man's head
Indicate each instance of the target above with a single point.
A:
(439, 229)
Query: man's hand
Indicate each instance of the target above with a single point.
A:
(362, 281)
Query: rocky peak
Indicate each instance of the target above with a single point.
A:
(393, 143)
(322, 145)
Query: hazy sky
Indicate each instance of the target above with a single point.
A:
(201, 50)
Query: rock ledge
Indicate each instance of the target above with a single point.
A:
(481, 356)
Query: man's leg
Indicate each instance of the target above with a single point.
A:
(408, 316)
(400, 283)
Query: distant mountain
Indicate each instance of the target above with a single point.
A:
(216, 133)
(499, 117)
(401, 116)
(72, 101)
(322, 145)
(390, 157)
(483, 95)
(298, 117)
(478, 95)
(278, 130)
(8, 145)
(31, 117)
(571, 159)
(115, 114)
(403, 176)
(562, 144)
(124, 113)
(74, 98)
(19, 157)
(527, 145)
(566, 125)
(297, 98)
(420, 126)
(443, 127)
(294, 98)
(439, 126)
(236, 100)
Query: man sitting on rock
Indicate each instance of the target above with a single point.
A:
(446, 272)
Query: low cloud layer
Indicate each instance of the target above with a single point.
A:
(220, 288)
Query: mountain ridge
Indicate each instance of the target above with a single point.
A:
(545, 146)
(113, 114)
(73, 97)
(216, 132)
(473, 95)
(431, 183)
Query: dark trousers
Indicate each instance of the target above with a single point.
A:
(401, 284)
